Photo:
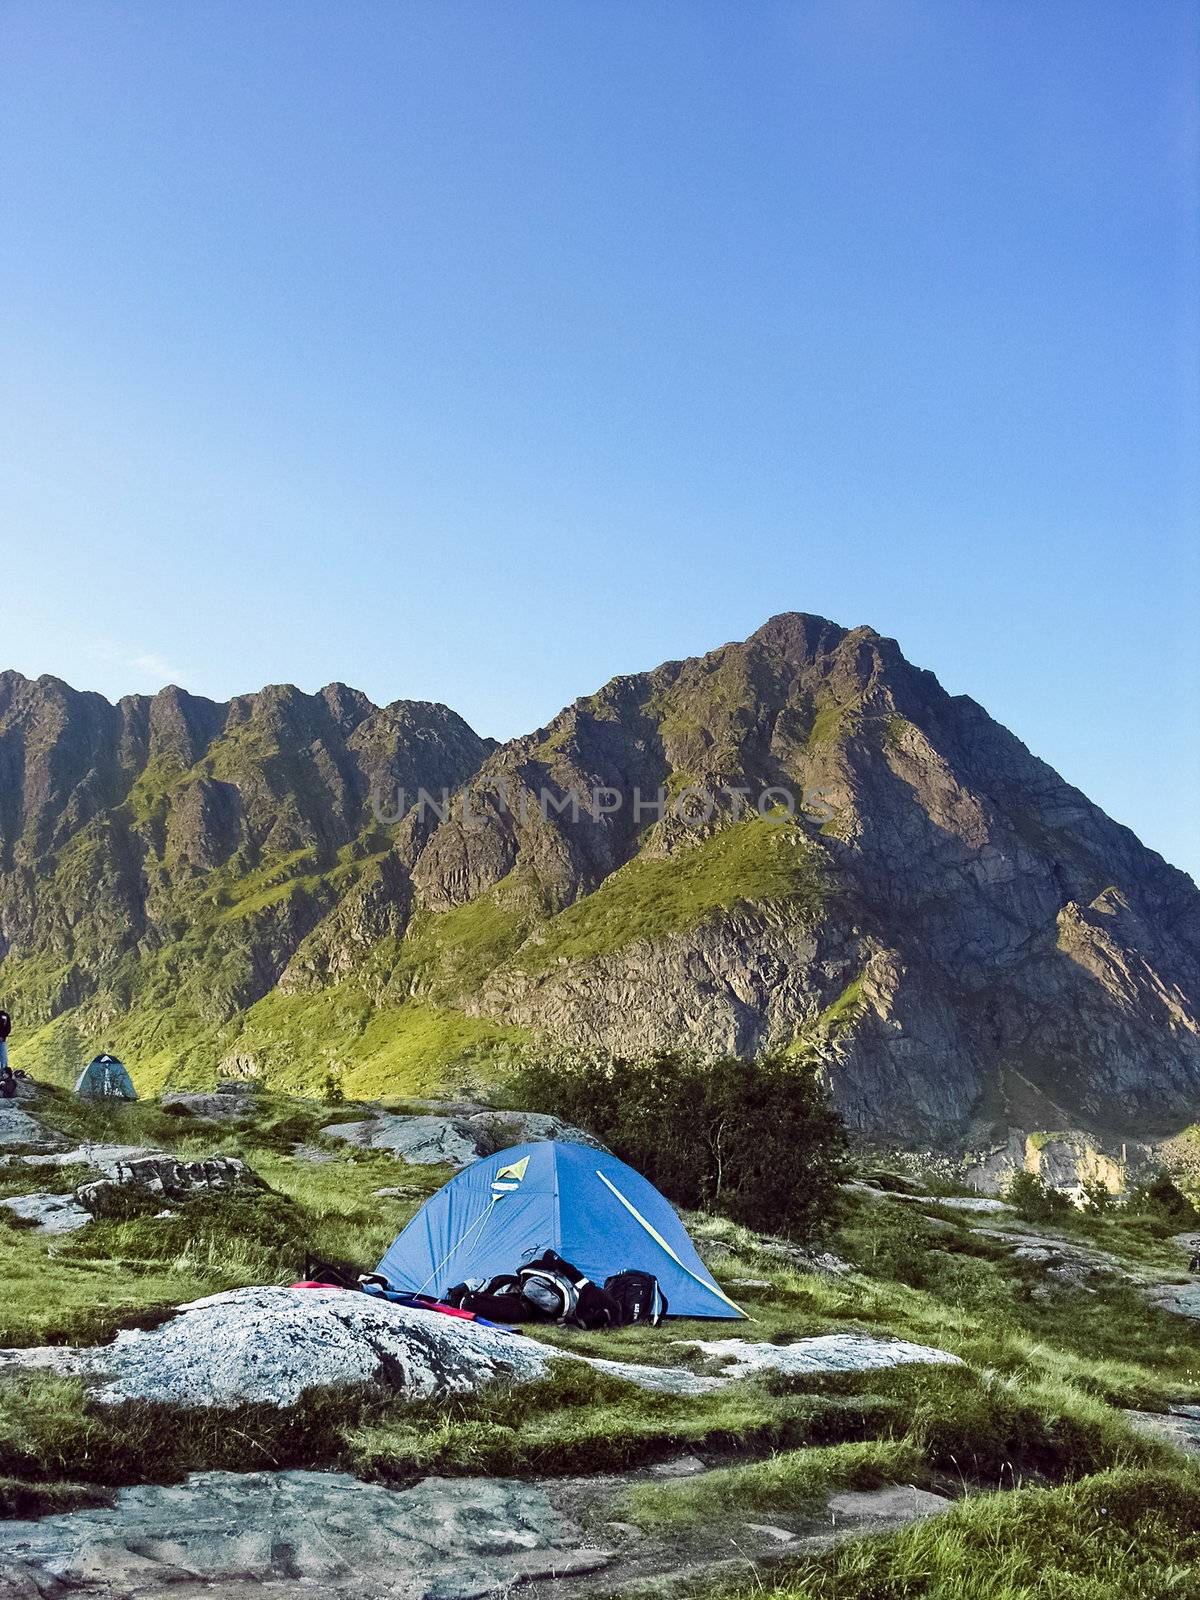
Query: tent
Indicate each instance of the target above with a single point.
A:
(596, 1212)
(105, 1078)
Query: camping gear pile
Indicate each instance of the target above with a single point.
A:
(545, 1232)
(552, 1290)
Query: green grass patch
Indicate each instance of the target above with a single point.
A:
(795, 1481)
(748, 862)
(1121, 1535)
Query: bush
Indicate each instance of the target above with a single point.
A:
(1098, 1198)
(1161, 1199)
(755, 1140)
(1035, 1201)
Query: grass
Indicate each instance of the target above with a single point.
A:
(83, 1287)
(393, 1046)
(576, 1420)
(752, 861)
(931, 1426)
(794, 1481)
(582, 1421)
(411, 1048)
(1034, 1411)
(1121, 1535)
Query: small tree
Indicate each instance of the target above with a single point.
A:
(1033, 1200)
(1098, 1198)
(755, 1140)
(333, 1093)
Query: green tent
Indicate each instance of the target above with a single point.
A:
(105, 1078)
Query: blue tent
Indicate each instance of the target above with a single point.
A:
(105, 1078)
(592, 1209)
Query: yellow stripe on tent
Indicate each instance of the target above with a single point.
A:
(658, 1239)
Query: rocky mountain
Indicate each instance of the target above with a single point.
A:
(799, 842)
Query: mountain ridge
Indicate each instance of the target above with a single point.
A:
(936, 917)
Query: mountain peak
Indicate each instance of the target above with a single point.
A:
(868, 872)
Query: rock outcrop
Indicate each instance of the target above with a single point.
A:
(1068, 1160)
(18, 1130)
(123, 1173)
(270, 1345)
(457, 1138)
(832, 1352)
(155, 1175)
(48, 1213)
(440, 1539)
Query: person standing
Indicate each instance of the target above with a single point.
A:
(8, 1083)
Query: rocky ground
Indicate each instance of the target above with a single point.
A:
(650, 1462)
(440, 1539)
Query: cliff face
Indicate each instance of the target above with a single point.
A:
(958, 935)
(957, 932)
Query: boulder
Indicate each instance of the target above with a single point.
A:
(165, 1176)
(271, 1344)
(457, 1138)
(216, 1107)
(49, 1213)
(440, 1539)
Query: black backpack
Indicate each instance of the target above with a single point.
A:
(638, 1297)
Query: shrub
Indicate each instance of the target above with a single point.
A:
(755, 1140)
(1035, 1201)
(1098, 1198)
(1161, 1199)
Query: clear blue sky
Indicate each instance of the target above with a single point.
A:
(478, 352)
